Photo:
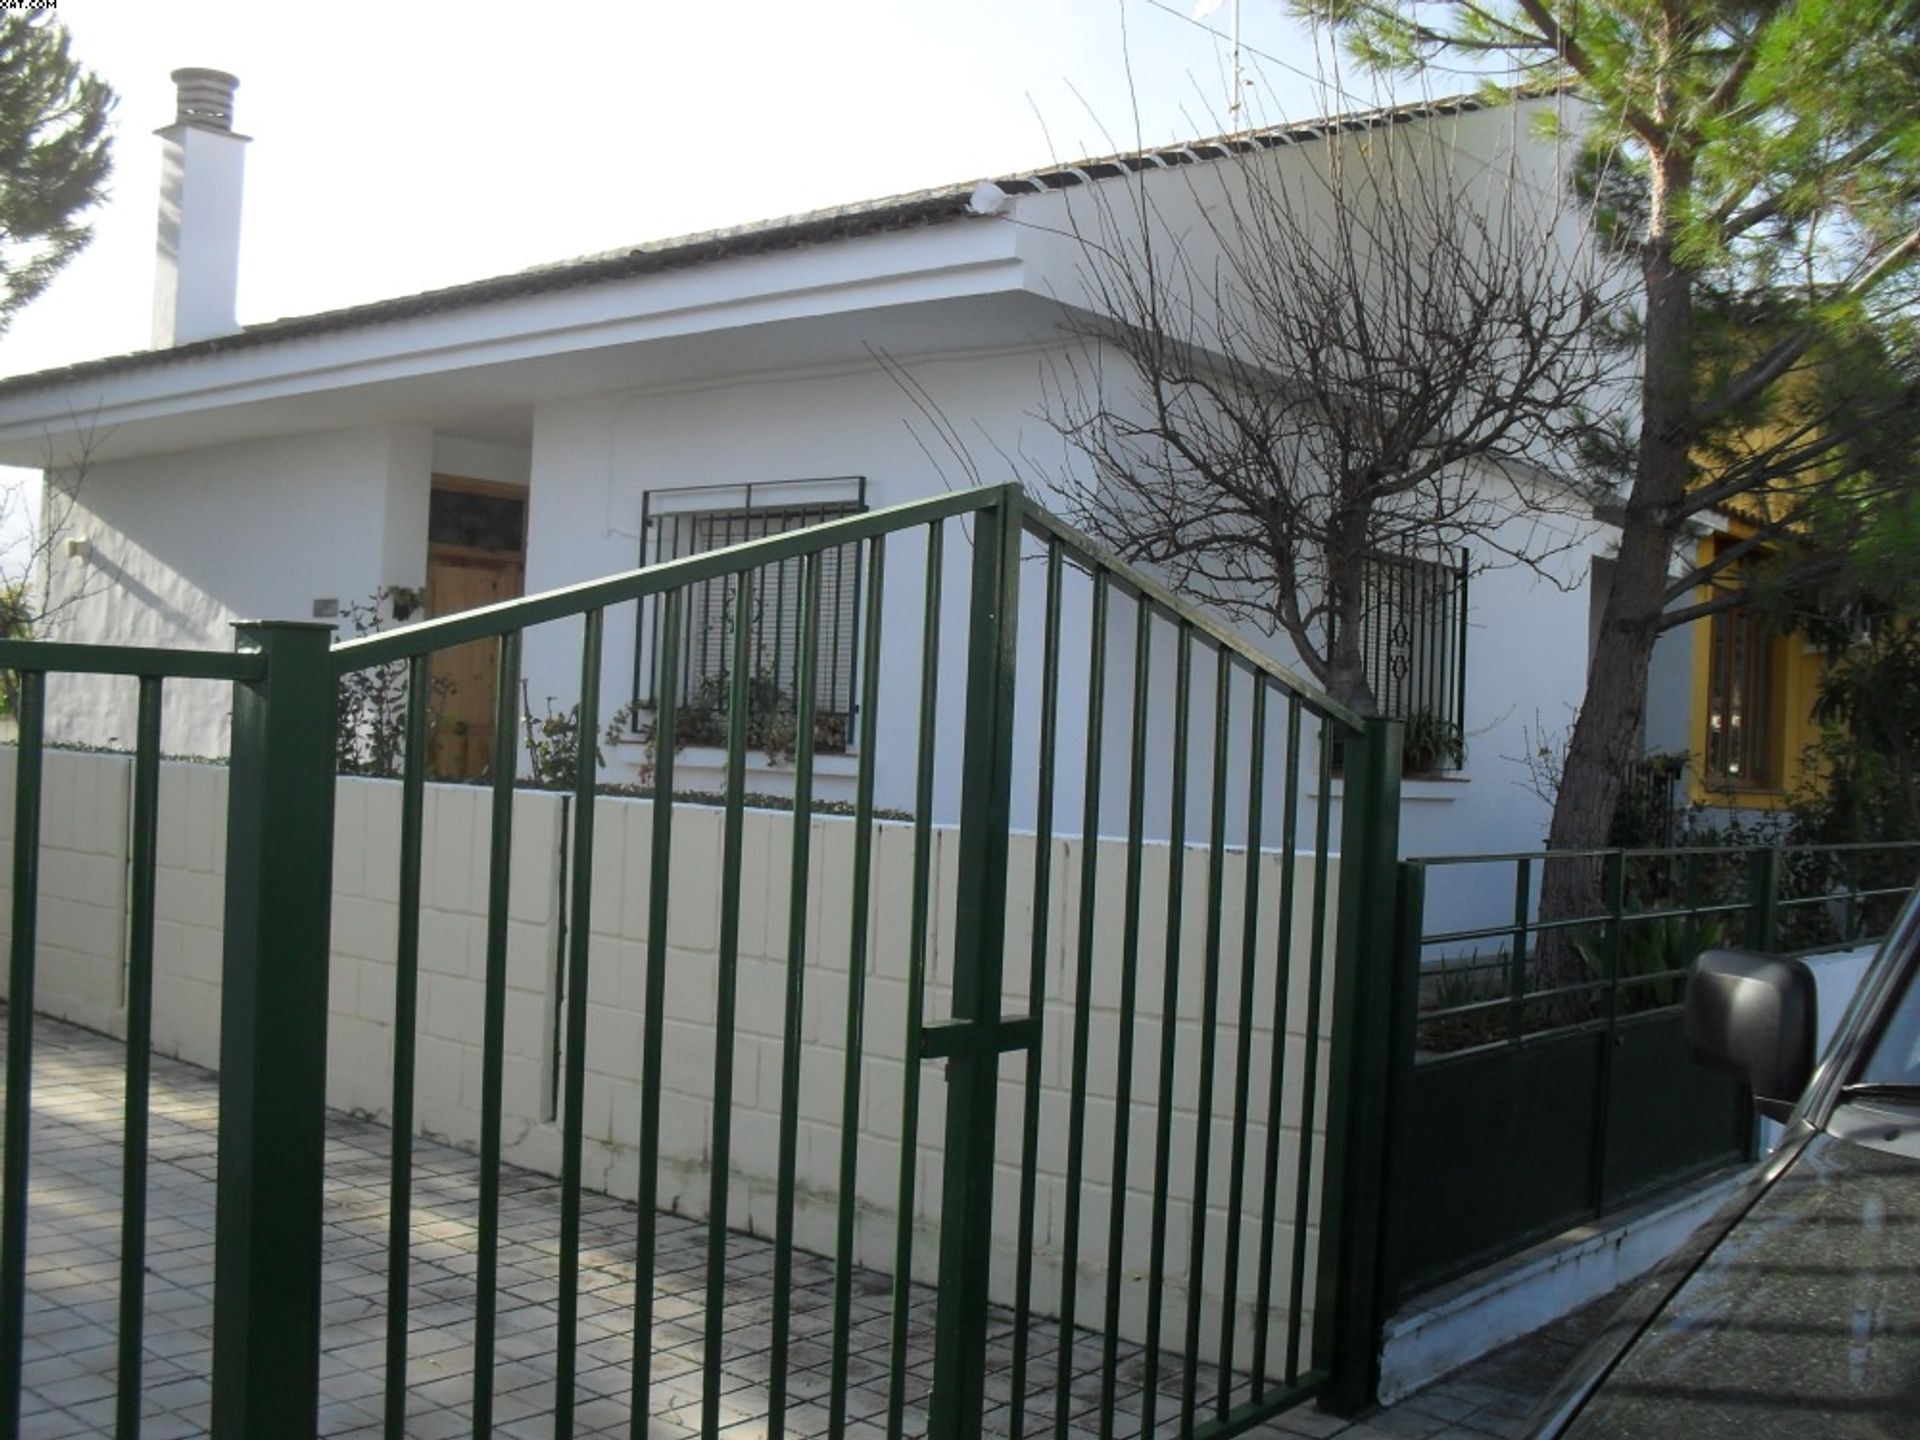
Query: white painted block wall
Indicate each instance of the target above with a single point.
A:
(81, 978)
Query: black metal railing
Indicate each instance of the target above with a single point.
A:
(1413, 642)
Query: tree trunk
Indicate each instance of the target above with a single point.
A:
(1603, 740)
(1346, 667)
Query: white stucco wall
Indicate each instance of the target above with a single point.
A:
(182, 545)
(189, 540)
(594, 459)
(1527, 650)
(470, 459)
(187, 576)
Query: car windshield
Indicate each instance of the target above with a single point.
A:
(1894, 1060)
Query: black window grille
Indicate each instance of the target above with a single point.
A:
(1413, 643)
(678, 523)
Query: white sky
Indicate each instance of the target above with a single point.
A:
(411, 145)
(414, 144)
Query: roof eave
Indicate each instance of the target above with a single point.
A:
(921, 209)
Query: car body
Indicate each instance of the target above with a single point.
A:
(1795, 1311)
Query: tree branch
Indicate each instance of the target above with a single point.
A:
(1719, 604)
(1576, 59)
(1751, 383)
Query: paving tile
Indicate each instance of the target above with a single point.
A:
(1408, 1424)
(1442, 1403)
(71, 1354)
(1310, 1421)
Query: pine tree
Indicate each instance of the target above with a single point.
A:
(1760, 160)
(54, 155)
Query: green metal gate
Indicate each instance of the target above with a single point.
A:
(1154, 977)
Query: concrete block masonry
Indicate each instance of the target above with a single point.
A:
(81, 977)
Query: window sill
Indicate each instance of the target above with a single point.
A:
(1421, 789)
(1741, 797)
(714, 757)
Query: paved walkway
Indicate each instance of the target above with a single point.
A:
(1489, 1399)
(73, 1284)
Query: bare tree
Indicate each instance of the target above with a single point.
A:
(1330, 343)
(36, 522)
(1757, 163)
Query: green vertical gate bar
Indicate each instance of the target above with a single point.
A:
(1209, 1015)
(1036, 983)
(966, 1217)
(1169, 1028)
(790, 1037)
(1243, 1058)
(666, 719)
(854, 1048)
(726, 999)
(1310, 1057)
(1349, 1309)
(406, 1013)
(139, 1047)
(273, 1039)
(579, 935)
(1763, 897)
(1082, 1002)
(1129, 999)
(493, 1028)
(19, 1113)
(1282, 1007)
(904, 1206)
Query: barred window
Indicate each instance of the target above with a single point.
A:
(693, 521)
(1740, 700)
(1413, 643)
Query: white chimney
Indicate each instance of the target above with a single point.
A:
(201, 166)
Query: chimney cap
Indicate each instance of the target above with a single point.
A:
(205, 98)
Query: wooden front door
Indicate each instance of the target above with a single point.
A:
(460, 576)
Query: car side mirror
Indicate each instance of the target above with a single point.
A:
(1753, 1016)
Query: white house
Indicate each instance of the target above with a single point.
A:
(541, 428)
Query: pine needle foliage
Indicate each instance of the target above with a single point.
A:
(55, 154)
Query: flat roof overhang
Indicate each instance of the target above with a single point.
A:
(479, 370)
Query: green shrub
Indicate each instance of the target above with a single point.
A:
(370, 734)
(1650, 951)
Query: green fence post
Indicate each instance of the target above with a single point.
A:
(1614, 881)
(1349, 1303)
(1517, 961)
(1763, 897)
(18, 1130)
(273, 1039)
(1410, 912)
(966, 1216)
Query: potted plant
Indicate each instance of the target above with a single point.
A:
(1433, 743)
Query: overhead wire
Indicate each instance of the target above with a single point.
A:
(1340, 92)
